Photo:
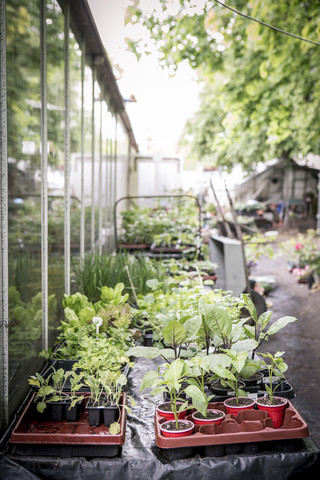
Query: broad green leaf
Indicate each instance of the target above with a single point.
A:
(264, 319)
(240, 361)
(199, 399)
(41, 406)
(174, 333)
(122, 380)
(148, 380)
(70, 315)
(174, 371)
(114, 428)
(34, 381)
(250, 306)
(217, 319)
(224, 373)
(218, 360)
(245, 345)
(192, 327)
(280, 323)
(250, 368)
(144, 352)
(153, 283)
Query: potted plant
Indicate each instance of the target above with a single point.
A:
(258, 331)
(51, 392)
(72, 398)
(168, 379)
(230, 377)
(104, 401)
(199, 369)
(275, 406)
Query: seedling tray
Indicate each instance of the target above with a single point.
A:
(32, 435)
(248, 427)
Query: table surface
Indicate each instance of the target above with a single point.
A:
(141, 459)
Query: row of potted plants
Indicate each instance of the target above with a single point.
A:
(304, 263)
(215, 343)
(91, 355)
(174, 223)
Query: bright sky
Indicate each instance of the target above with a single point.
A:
(163, 103)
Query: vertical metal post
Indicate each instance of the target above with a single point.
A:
(44, 170)
(109, 186)
(82, 211)
(106, 185)
(92, 160)
(115, 159)
(4, 281)
(100, 182)
(318, 212)
(67, 148)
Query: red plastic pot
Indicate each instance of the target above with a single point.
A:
(177, 433)
(235, 409)
(209, 421)
(169, 415)
(275, 412)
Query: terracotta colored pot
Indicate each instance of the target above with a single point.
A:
(169, 415)
(235, 409)
(209, 421)
(275, 412)
(177, 433)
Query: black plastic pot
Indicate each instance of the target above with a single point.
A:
(216, 387)
(56, 411)
(110, 414)
(147, 340)
(94, 415)
(73, 413)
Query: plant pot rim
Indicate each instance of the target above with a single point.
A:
(168, 403)
(283, 403)
(252, 402)
(207, 420)
(177, 431)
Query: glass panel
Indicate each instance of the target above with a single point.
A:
(55, 80)
(24, 203)
(88, 153)
(75, 145)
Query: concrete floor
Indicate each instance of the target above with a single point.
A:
(300, 340)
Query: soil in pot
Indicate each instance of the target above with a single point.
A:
(213, 416)
(169, 428)
(275, 410)
(233, 407)
(164, 410)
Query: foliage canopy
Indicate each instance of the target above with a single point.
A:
(261, 91)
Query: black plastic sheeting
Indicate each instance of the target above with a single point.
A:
(141, 459)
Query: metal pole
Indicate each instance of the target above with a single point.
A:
(92, 160)
(318, 213)
(106, 185)
(4, 302)
(82, 211)
(44, 171)
(67, 148)
(100, 183)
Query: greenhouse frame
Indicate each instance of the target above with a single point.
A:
(66, 146)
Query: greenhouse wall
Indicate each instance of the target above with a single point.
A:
(65, 147)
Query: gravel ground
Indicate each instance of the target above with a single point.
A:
(300, 340)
